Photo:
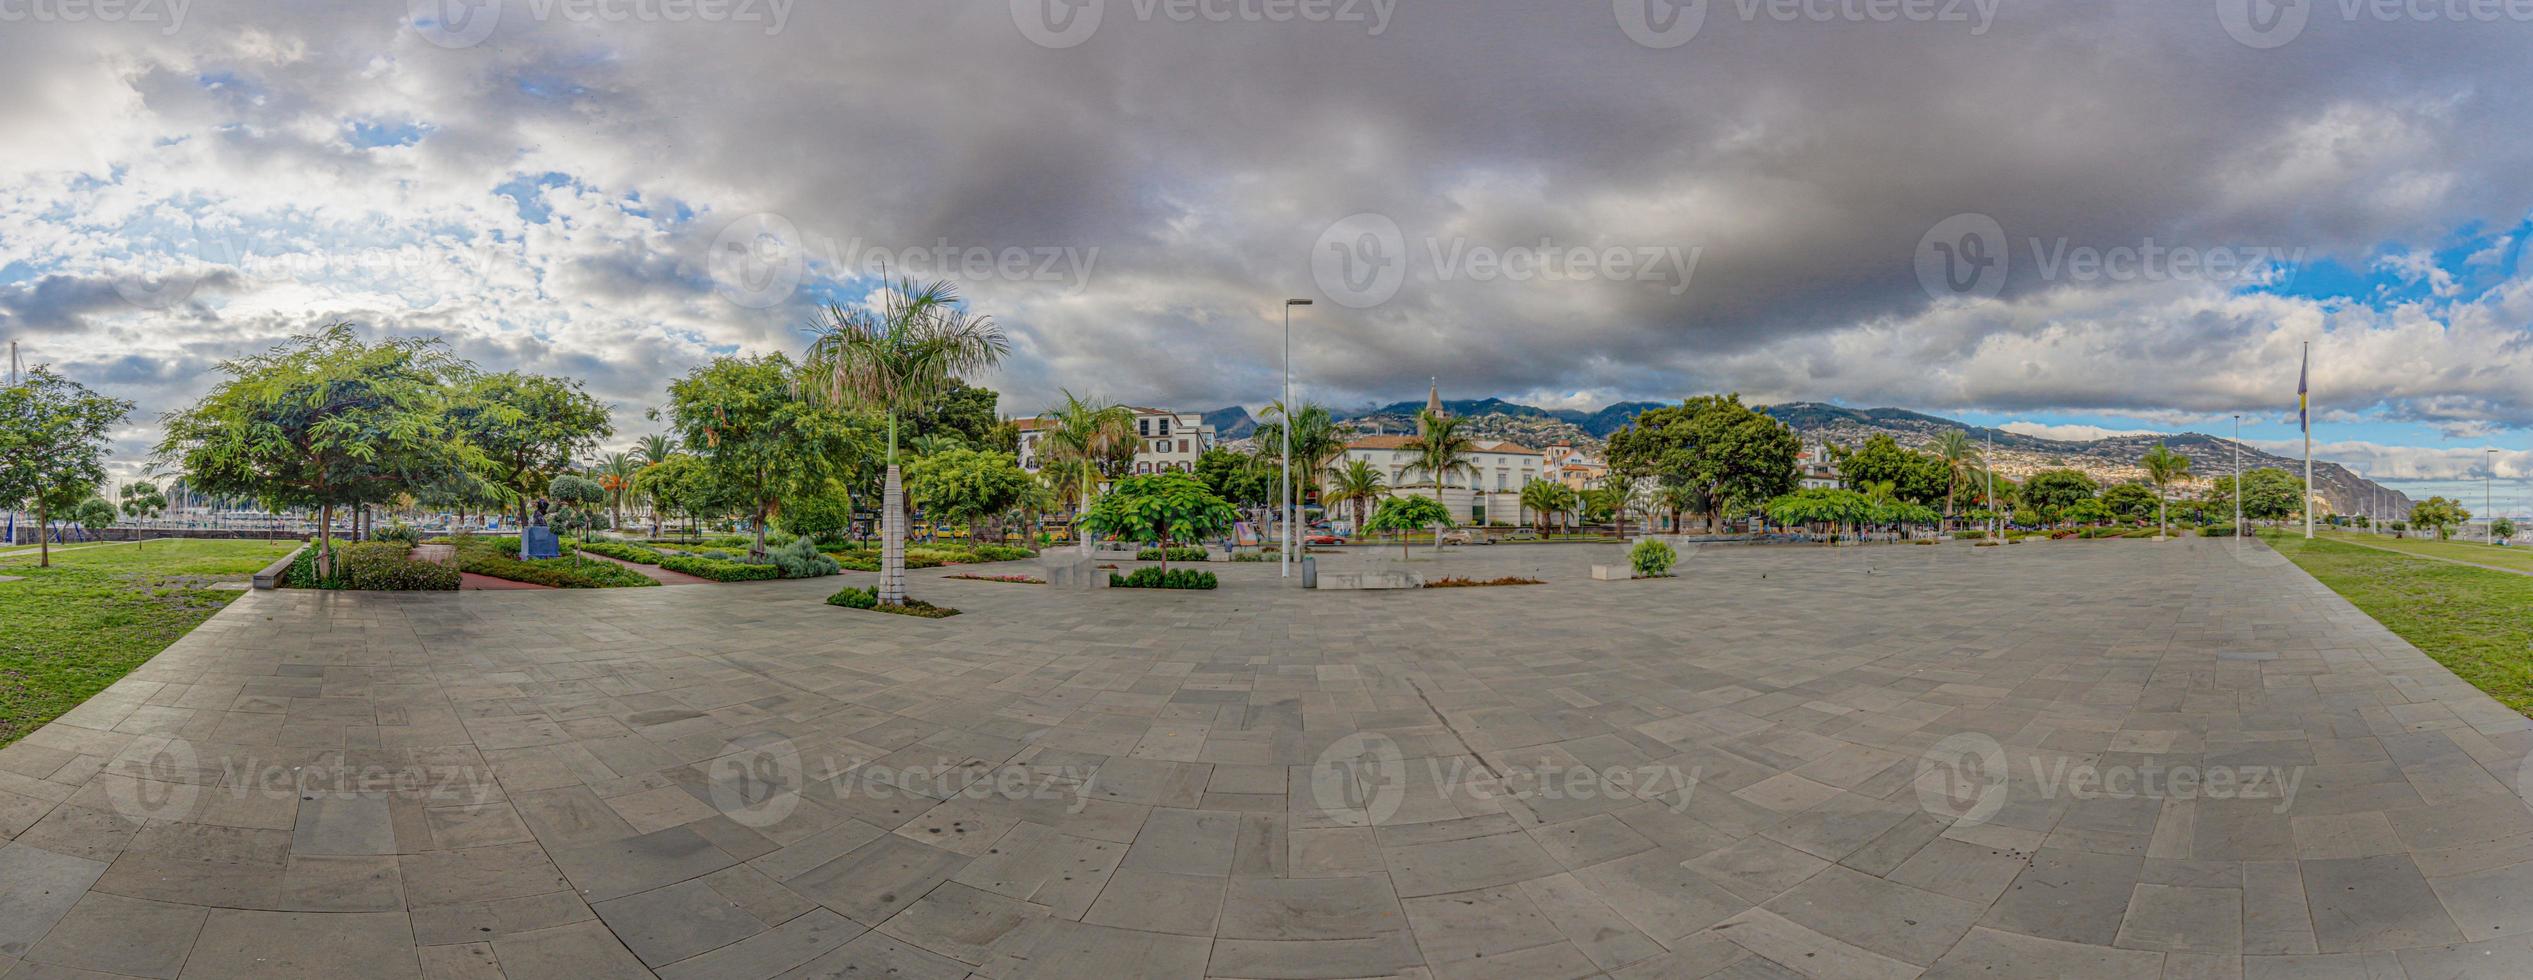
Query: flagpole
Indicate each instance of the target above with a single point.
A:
(2304, 401)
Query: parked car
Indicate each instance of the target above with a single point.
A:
(1323, 538)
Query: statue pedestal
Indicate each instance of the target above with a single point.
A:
(538, 541)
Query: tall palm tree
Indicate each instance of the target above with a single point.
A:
(1083, 436)
(897, 358)
(1961, 460)
(615, 475)
(1316, 444)
(1358, 483)
(654, 448)
(1440, 450)
(2163, 468)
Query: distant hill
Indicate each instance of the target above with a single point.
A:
(2109, 459)
(1233, 422)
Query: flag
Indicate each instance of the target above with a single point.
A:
(2304, 398)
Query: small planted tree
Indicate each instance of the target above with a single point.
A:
(1821, 505)
(1408, 512)
(1160, 508)
(2502, 529)
(53, 445)
(971, 486)
(2164, 468)
(94, 515)
(2440, 514)
(142, 501)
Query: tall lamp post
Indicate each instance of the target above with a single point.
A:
(1285, 563)
(2238, 480)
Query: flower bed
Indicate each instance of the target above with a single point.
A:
(1015, 579)
(1455, 582)
(719, 570)
(498, 557)
(622, 552)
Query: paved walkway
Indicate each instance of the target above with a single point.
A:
(1968, 763)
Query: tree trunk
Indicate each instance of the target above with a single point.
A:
(325, 542)
(43, 540)
(757, 550)
(892, 590)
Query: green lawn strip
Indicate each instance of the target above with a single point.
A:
(68, 631)
(2476, 622)
(2476, 552)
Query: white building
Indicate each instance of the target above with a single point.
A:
(1491, 496)
(1170, 440)
(1818, 469)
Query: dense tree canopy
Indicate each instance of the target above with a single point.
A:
(529, 428)
(759, 436)
(53, 444)
(325, 420)
(1914, 476)
(1714, 445)
(1159, 508)
(976, 487)
(2435, 513)
(2055, 492)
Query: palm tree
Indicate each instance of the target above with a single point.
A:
(1083, 437)
(1680, 498)
(1316, 444)
(898, 358)
(1442, 449)
(615, 475)
(1543, 497)
(1358, 483)
(1960, 458)
(654, 448)
(2164, 467)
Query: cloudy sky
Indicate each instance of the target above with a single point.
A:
(2068, 216)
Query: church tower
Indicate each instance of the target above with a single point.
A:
(1433, 404)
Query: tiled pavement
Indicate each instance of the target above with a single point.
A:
(743, 782)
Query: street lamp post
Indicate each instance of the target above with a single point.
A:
(2489, 500)
(1286, 561)
(2238, 480)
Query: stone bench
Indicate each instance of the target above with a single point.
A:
(1613, 573)
(1072, 571)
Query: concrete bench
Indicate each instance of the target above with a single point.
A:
(1613, 573)
(1072, 571)
(1354, 581)
(270, 577)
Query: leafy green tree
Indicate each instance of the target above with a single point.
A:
(94, 514)
(1714, 445)
(1836, 507)
(1914, 476)
(324, 420)
(1160, 508)
(142, 500)
(1246, 480)
(900, 358)
(1409, 512)
(53, 445)
(529, 429)
(962, 410)
(2164, 468)
(580, 497)
(1359, 483)
(680, 484)
(2502, 529)
(2129, 501)
(2053, 492)
(2272, 494)
(823, 514)
(2437, 513)
(972, 486)
(761, 436)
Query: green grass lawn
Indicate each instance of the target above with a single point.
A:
(2477, 622)
(2518, 557)
(68, 631)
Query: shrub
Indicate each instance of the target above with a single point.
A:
(1252, 556)
(719, 569)
(857, 598)
(1157, 578)
(302, 573)
(1970, 535)
(1985, 544)
(1652, 559)
(1173, 554)
(399, 532)
(384, 566)
(622, 552)
(1001, 552)
(2217, 531)
(801, 559)
(1015, 579)
(498, 557)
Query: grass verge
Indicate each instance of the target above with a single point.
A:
(68, 631)
(2472, 620)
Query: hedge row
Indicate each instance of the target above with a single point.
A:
(1154, 577)
(719, 570)
(1174, 554)
(385, 566)
(622, 552)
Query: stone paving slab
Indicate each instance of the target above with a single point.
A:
(2115, 759)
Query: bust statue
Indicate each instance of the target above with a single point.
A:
(539, 519)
